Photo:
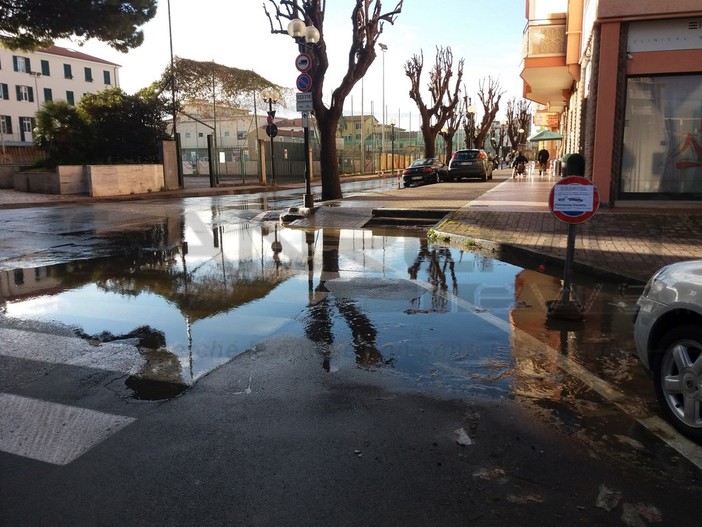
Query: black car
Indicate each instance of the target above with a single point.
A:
(469, 163)
(425, 170)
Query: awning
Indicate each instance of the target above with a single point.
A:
(545, 135)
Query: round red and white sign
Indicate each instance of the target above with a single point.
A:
(574, 199)
(303, 62)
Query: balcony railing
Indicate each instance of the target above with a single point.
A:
(544, 38)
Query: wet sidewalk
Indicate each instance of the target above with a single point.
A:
(631, 240)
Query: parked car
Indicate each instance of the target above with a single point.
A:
(469, 163)
(425, 170)
(668, 336)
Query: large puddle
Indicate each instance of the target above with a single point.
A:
(390, 303)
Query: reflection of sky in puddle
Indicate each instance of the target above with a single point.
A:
(426, 334)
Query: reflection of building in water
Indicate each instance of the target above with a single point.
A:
(27, 283)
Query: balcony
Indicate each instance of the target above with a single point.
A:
(545, 71)
(544, 38)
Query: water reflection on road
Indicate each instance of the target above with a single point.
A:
(211, 284)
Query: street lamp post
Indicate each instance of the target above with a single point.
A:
(470, 116)
(392, 147)
(304, 36)
(383, 48)
(36, 75)
(268, 97)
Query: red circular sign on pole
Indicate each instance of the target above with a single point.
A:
(574, 199)
(303, 62)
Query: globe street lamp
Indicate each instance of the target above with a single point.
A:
(305, 36)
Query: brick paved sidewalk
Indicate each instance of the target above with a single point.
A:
(629, 242)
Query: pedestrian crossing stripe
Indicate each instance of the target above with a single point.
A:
(52, 432)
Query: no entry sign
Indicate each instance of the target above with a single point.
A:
(574, 199)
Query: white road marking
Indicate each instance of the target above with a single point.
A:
(52, 432)
(112, 356)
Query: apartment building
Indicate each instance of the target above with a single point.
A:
(29, 79)
(622, 81)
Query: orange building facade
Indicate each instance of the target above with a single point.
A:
(621, 80)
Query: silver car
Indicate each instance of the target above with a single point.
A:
(668, 336)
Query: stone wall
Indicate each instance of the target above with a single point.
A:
(39, 182)
(120, 180)
(73, 179)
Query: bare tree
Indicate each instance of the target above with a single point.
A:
(367, 19)
(490, 98)
(518, 117)
(452, 125)
(443, 99)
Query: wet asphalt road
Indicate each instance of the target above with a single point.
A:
(271, 438)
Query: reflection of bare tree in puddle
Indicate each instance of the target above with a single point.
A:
(319, 324)
(436, 273)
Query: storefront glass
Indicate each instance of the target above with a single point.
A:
(662, 151)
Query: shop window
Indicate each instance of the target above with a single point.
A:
(662, 148)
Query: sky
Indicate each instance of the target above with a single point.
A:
(487, 35)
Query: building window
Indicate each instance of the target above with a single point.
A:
(5, 124)
(4, 91)
(26, 127)
(67, 72)
(241, 136)
(106, 77)
(88, 74)
(48, 96)
(25, 93)
(45, 70)
(662, 148)
(19, 276)
(70, 99)
(187, 135)
(200, 134)
(226, 134)
(21, 64)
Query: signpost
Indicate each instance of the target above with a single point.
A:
(304, 102)
(572, 200)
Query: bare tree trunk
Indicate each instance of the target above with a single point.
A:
(329, 162)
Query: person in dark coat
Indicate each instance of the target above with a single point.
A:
(542, 159)
(521, 159)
